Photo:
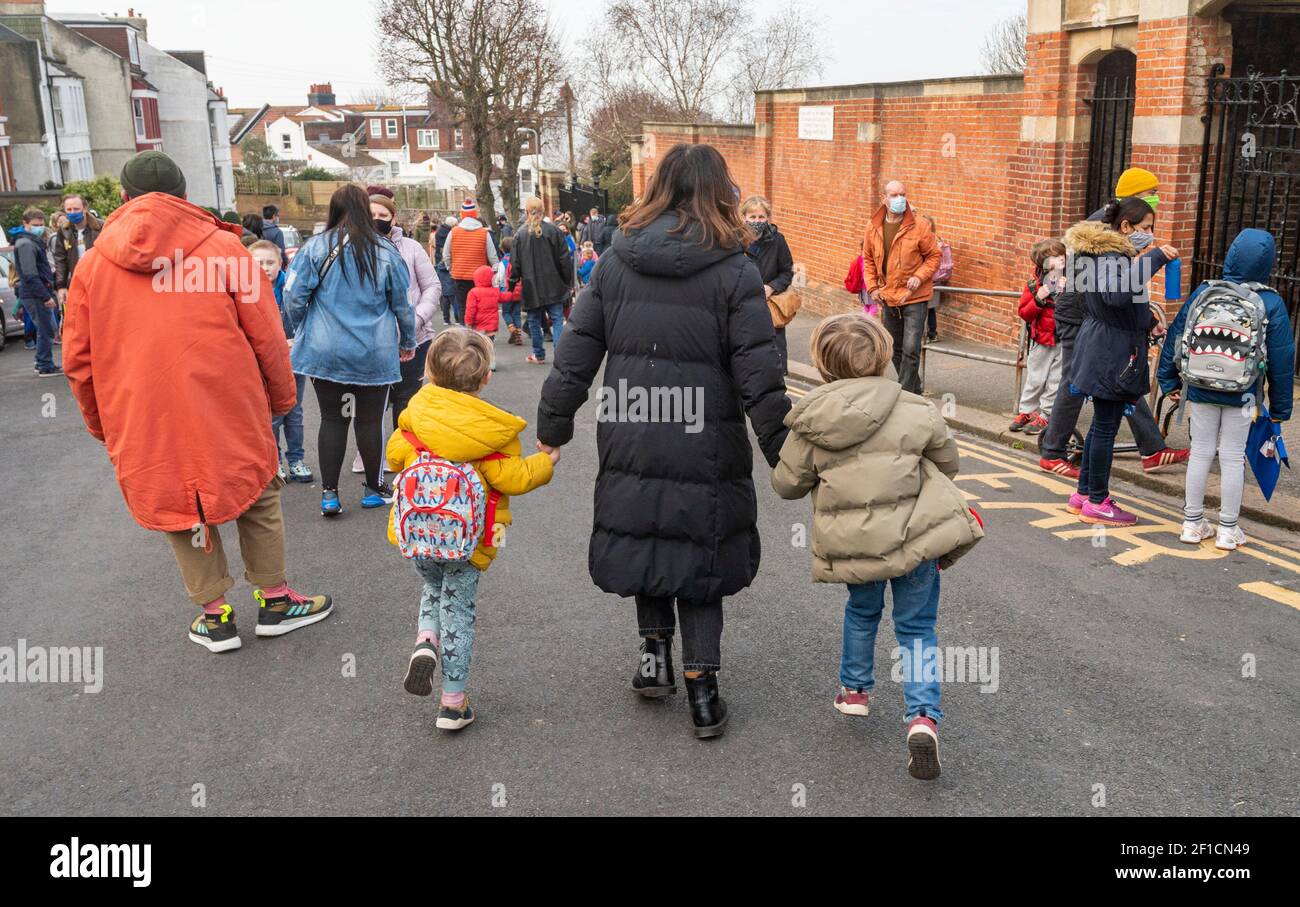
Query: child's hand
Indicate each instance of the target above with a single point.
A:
(1044, 291)
(552, 452)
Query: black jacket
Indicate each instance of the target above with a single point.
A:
(675, 509)
(439, 238)
(775, 263)
(31, 259)
(67, 250)
(544, 265)
(1110, 351)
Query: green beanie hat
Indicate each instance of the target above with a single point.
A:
(152, 171)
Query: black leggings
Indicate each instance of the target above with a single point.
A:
(701, 628)
(366, 405)
(412, 379)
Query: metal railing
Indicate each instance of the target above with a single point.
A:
(1017, 362)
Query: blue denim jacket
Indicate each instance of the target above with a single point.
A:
(348, 331)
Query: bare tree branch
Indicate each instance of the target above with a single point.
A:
(1003, 50)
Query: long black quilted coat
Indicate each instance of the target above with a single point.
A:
(675, 510)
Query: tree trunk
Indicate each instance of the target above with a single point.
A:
(510, 178)
(487, 206)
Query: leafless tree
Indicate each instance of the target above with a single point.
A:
(460, 52)
(780, 52)
(1003, 50)
(535, 72)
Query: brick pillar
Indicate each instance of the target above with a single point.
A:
(1176, 50)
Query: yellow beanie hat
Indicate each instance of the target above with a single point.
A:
(1135, 181)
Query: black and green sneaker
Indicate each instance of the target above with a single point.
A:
(451, 719)
(285, 613)
(420, 669)
(216, 632)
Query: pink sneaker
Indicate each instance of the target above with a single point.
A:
(1076, 502)
(852, 702)
(1107, 513)
(923, 749)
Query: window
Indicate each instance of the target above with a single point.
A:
(133, 46)
(427, 138)
(286, 142)
(460, 140)
(56, 107)
(394, 168)
(212, 128)
(525, 182)
(392, 129)
(376, 128)
(138, 106)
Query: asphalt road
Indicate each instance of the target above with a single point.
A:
(1125, 675)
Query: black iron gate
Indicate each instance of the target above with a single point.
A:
(578, 200)
(1110, 142)
(1250, 174)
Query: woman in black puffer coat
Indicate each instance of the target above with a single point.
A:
(1110, 354)
(675, 311)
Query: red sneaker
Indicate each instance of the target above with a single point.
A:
(1036, 424)
(1170, 456)
(1061, 468)
(922, 749)
(851, 702)
(1021, 422)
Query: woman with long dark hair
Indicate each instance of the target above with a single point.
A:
(346, 301)
(676, 312)
(1113, 261)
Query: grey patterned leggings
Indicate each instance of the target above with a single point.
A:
(447, 609)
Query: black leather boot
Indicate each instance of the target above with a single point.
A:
(708, 709)
(654, 672)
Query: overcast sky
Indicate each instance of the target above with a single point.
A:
(270, 50)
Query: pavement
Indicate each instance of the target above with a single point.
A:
(980, 398)
(1135, 676)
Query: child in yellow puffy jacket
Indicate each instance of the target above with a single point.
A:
(451, 421)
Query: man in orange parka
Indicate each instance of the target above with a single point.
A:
(899, 258)
(175, 351)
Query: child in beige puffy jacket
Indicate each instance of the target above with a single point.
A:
(878, 461)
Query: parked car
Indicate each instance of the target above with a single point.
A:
(9, 325)
(292, 240)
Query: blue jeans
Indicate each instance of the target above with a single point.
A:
(916, 607)
(448, 288)
(511, 312)
(292, 422)
(1099, 449)
(447, 610)
(43, 318)
(535, 327)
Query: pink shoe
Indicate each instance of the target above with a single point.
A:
(852, 702)
(922, 749)
(1076, 502)
(1107, 513)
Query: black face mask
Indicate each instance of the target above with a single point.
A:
(761, 230)
(383, 226)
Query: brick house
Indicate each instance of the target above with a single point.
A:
(1176, 86)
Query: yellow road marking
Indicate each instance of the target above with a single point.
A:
(1272, 591)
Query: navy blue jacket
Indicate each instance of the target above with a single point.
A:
(32, 258)
(1110, 352)
(1250, 258)
(272, 232)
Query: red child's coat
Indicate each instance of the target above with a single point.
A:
(481, 306)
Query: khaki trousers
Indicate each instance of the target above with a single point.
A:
(202, 559)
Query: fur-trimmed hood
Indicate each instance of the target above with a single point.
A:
(1089, 237)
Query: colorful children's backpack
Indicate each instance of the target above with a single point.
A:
(1222, 347)
(440, 508)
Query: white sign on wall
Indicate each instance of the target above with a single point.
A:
(817, 123)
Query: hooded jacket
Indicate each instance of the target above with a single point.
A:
(914, 253)
(178, 372)
(1250, 258)
(67, 248)
(1110, 351)
(348, 329)
(688, 350)
(1039, 314)
(879, 462)
(482, 312)
(544, 265)
(425, 291)
(32, 262)
(465, 429)
(468, 247)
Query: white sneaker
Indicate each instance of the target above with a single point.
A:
(279, 471)
(1230, 538)
(1195, 532)
(357, 465)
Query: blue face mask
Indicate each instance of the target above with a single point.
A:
(36, 231)
(76, 217)
(898, 204)
(1141, 239)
